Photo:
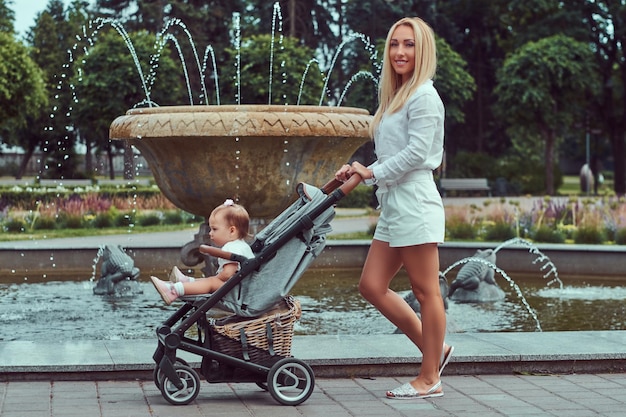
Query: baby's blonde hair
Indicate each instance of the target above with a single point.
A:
(392, 94)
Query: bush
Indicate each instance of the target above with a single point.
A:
(567, 230)
(15, 225)
(462, 231)
(526, 176)
(150, 219)
(589, 235)
(620, 236)
(103, 220)
(193, 218)
(548, 235)
(471, 165)
(361, 197)
(44, 223)
(124, 219)
(499, 231)
(71, 221)
(173, 217)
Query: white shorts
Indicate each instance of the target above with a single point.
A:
(412, 213)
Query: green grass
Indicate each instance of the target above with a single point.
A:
(58, 233)
(571, 186)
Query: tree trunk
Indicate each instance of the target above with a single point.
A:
(480, 113)
(111, 167)
(129, 162)
(292, 18)
(619, 144)
(549, 160)
(24, 164)
(88, 159)
(619, 161)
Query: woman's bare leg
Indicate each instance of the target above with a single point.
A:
(422, 265)
(421, 262)
(381, 266)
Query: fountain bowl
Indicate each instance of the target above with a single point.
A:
(255, 154)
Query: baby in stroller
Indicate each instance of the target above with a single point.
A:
(229, 224)
(253, 344)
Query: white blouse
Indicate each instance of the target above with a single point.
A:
(238, 246)
(410, 139)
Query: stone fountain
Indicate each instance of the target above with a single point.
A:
(201, 155)
(255, 154)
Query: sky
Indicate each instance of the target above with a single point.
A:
(26, 11)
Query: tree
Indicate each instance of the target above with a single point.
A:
(22, 95)
(7, 17)
(455, 85)
(605, 23)
(542, 89)
(472, 28)
(109, 83)
(194, 24)
(21, 84)
(53, 36)
(288, 66)
(483, 32)
(309, 21)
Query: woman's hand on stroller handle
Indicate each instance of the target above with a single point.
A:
(346, 186)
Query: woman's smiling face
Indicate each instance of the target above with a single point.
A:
(402, 51)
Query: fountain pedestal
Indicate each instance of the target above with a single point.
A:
(255, 154)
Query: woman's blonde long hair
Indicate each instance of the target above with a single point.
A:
(392, 94)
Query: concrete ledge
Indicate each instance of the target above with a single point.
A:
(156, 255)
(336, 356)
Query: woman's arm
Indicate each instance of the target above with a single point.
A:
(424, 129)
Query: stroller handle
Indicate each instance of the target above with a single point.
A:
(345, 187)
(219, 253)
(328, 188)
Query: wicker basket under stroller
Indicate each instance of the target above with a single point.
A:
(257, 339)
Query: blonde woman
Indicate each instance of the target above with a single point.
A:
(408, 129)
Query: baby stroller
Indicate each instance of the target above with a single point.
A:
(253, 344)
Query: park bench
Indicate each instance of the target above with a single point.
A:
(136, 181)
(66, 183)
(11, 182)
(464, 184)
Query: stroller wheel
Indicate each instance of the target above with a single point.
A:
(157, 374)
(187, 391)
(290, 381)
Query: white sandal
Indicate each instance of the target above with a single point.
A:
(407, 392)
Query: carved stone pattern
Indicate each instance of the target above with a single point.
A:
(242, 124)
